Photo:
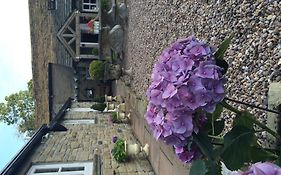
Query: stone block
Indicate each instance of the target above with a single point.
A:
(116, 38)
(82, 156)
(274, 100)
(165, 166)
(154, 155)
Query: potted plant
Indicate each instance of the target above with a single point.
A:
(99, 106)
(123, 116)
(109, 98)
(99, 99)
(186, 99)
(114, 118)
(121, 107)
(122, 150)
(110, 106)
(118, 151)
(134, 149)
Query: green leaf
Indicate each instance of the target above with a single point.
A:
(217, 113)
(278, 162)
(237, 147)
(222, 64)
(260, 154)
(218, 127)
(222, 48)
(243, 120)
(213, 168)
(204, 143)
(198, 168)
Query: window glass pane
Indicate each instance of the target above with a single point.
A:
(86, 6)
(93, 1)
(65, 169)
(47, 170)
(86, 1)
(93, 6)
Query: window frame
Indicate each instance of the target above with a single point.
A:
(90, 4)
(88, 168)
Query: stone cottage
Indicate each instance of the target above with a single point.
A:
(60, 35)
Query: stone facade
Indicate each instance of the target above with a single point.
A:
(81, 142)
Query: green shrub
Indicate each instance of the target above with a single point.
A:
(98, 106)
(96, 69)
(99, 99)
(105, 5)
(118, 151)
(114, 117)
(95, 51)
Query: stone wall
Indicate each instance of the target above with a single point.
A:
(46, 48)
(162, 156)
(82, 141)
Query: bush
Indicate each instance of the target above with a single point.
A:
(114, 117)
(99, 99)
(118, 151)
(98, 106)
(95, 51)
(96, 69)
(105, 5)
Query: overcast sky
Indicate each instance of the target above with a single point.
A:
(15, 66)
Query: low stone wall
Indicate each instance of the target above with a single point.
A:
(162, 157)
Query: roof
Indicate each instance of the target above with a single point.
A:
(35, 140)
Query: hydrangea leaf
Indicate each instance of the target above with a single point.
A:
(278, 162)
(204, 143)
(243, 120)
(217, 113)
(198, 168)
(217, 128)
(222, 64)
(260, 154)
(237, 147)
(213, 167)
(222, 48)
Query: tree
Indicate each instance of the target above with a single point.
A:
(19, 108)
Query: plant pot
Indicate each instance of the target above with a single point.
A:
(119, 99)
(121, 107)
(110, 106)
(110, 98)
(123, 116)
(134, 149)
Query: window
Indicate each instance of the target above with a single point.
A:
(80, 121)
(90, 5)
(52, 4)
(81, 168)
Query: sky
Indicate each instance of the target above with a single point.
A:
(15, 67)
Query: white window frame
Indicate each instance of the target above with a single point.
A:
(58, 168)
(89, 4)
(79, 122)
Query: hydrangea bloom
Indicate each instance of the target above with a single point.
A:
(186, 83)
(259, 168)
(265, 168)
(114, 139)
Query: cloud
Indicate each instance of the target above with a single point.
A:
(15, 49)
